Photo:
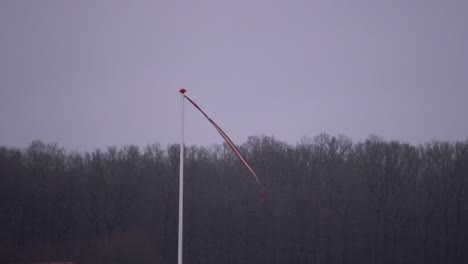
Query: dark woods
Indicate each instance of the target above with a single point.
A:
(327, 200)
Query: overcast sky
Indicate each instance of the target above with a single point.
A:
(89, 74)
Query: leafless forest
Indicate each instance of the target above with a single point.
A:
(327, 200)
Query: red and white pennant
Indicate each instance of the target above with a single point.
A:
(230, 144)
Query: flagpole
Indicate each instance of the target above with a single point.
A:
(181, 179)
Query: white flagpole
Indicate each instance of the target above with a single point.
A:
(181, 179)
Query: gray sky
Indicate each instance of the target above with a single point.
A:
(89, 74)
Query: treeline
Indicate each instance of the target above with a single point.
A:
(327, 200)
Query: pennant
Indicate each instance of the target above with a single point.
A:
(232, 146)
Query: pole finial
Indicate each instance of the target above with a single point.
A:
(182, 90)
